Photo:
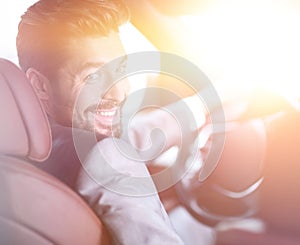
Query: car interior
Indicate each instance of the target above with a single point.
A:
(36, 208)
(257, 202)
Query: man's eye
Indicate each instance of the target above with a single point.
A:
(91, 77)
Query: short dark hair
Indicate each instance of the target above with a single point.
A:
(48, 23)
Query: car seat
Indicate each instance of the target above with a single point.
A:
(35, 207)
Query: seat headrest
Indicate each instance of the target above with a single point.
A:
(24, 126)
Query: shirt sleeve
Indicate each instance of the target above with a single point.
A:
(120, 190)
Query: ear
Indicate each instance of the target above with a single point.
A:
(42, 88)
(39, 83)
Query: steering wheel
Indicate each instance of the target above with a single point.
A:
(231, 191)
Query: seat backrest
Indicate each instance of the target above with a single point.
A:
(35, 208)
(24, 127)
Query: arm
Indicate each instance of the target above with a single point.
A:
(122, 194)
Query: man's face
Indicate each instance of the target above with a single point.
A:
(84, 95)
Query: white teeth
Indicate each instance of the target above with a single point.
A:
(107, 113)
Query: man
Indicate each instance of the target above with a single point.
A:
(61, 45)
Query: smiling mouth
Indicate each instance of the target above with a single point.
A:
(106, 113)
(106, 118)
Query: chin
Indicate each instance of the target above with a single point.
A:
(102, 133)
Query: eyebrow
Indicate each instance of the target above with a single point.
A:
(89, 65)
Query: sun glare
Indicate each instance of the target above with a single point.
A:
(240, 45)
(249, 44)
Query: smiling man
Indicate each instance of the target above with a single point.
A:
(61, 45)
(71, 53)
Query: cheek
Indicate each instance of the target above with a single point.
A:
(63, 104)
(64, 115)
(64, 92)
(64, 99)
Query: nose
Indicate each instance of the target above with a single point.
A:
(118, 91)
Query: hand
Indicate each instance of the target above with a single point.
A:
(154, 131)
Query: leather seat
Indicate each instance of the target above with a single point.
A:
(35, 208)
